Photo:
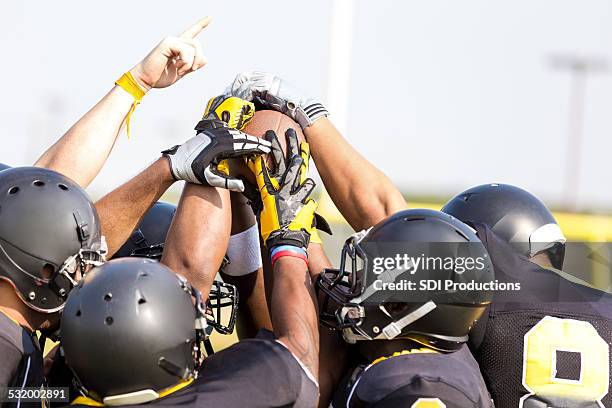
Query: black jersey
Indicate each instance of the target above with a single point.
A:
(416, 379)
(251, 373)
(547, 345)
(21, 359)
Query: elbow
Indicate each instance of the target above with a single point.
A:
(380, 205)
(393, 202)
(197, 271)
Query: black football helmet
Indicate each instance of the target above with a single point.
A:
(147, 241)
(515, 215)
(131, 329)
(49, 232)
(440, 319)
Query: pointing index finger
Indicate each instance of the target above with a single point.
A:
(197, 28)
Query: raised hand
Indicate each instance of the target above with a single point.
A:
(172, 59)
(276, 93)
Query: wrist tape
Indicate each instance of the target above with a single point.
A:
(129, 84)
(244, 253)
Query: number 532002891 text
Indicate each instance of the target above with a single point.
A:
(33, 394)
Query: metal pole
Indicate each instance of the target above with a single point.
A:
(580, 67)
(574, 139)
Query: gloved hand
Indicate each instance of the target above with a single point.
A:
(234, 111)
(275, 93)
(287, 216)
(198, 160)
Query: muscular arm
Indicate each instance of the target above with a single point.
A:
(199, 234)
(83, 150)
(317, 260)
(293, 310)
(122, 209)
(333, 353)
(363, 194)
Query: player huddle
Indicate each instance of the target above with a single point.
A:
(128, 284)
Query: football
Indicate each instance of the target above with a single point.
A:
(261, 122)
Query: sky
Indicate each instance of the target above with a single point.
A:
(442, 95)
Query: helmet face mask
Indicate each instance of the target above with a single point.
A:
(353, 256)
(336, 301)
(349, 300)
(339, 286)
(80, 262)
(202, 325)
(223, 297)
(152, 252)
(67, 277)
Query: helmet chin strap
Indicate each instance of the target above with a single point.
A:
(387, 276)
(133, 398)
(394, 329)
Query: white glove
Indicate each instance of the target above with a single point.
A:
(197, 160)
(275, 93)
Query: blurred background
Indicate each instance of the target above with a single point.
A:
(509, 91)
(440, 94)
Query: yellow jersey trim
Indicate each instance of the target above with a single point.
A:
(81, 400)
(404, 352)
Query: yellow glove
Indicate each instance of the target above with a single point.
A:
(287, 216)
(315, 238)
(224, 110)
(234, 111)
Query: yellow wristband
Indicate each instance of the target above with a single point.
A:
(129, 84)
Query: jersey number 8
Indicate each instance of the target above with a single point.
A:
(554, 338)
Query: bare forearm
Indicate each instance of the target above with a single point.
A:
(317, 260)
(363, 194)
(242, 214)
(333, 351)
(293, 311)
(333, 359)
(253, 313)
(122, 209)
(197, 240)
(82, 151)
